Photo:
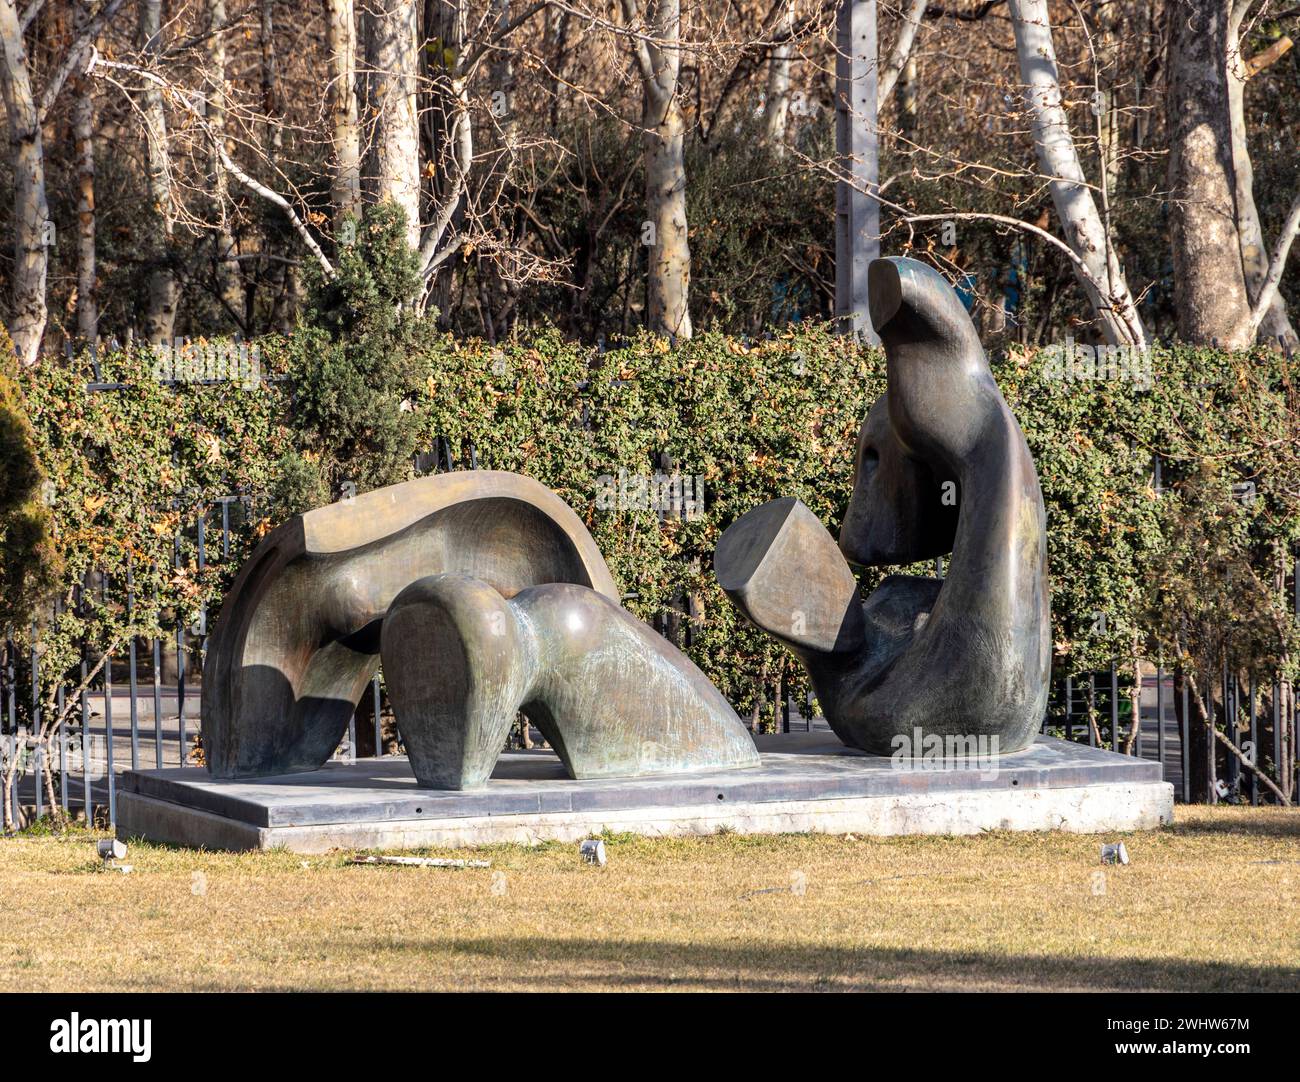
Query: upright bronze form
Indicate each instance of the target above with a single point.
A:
(465, 646)
(941, 467)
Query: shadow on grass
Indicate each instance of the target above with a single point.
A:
(570, 964)
(1256, 822)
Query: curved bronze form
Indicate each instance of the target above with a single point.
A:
(613, 698)
(298, 635)
(941, 466)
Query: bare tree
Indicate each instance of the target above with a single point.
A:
(1212, 302)
(230, 285)
(901, 51)
(658, 55)
(1250, 232)
(776, 102)
(83, 133)
(33, 230)
(1058, 158)
(163, 295)
(185, 100)
(390, 38)
(28, 313)
(345, 131)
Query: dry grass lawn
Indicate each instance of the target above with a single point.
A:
(1207, 904)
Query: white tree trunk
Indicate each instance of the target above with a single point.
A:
(901, 52)
(160, 307)
(776, 102)
(1211, 297)
(1268, 290)
(392, 63)
(1059, 160)
(908, 95)
(277, 273)
(345, 132)
(229, 278)
(664, 144)
(1250, 231)
(27, 312)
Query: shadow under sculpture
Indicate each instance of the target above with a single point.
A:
(941, 466)
(299, 635)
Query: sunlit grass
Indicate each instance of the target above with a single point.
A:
(1207, 904)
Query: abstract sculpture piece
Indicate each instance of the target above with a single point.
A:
(612, 697)
(299, 637)
(941, 467)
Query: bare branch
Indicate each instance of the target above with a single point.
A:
(1276, 266)
(898, 55)
(184, 100)
(30, 12)
(73, 56)
(640, 44)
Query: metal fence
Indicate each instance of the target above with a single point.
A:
(136, 714)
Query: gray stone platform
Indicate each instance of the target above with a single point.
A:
(808, 782)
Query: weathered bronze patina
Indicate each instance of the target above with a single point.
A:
(612, 697)
(941, 467)
(299, 638)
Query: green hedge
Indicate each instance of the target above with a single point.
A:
(131, 468)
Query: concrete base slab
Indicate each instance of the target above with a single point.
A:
(807, 782)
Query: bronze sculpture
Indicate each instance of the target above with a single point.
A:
(941, 467)
(612, 697)
(299, 637)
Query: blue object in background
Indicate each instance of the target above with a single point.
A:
(789, 298)
(1015, 277)
(965, 287)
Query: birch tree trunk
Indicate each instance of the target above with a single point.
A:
(448, 136)
(392, 63)
(505, 290)
(345, 131)
(83, 133)
(230, 282)
(776, 103)
(279, 276)
(664, 144)
(160, 306)
(908, 94)
(1250, 232)
(900, 55)
(1212, 302)
(27, 312)
(1058, 159)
